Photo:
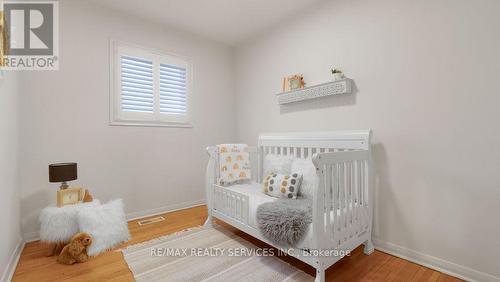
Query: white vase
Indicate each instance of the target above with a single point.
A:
(338, 76)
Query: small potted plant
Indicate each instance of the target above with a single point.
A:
(337, 74)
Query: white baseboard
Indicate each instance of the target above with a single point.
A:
(441, 265)
(169, 208)
(8, 273)
(35, 236)
(31, 236)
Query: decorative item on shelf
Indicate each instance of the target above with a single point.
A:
(337, 74)
(62, 172)
(69, 196)
(293, 82)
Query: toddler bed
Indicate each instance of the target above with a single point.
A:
(340, 189)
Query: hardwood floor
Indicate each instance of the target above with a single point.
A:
(35, 266)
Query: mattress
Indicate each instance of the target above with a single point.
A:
(257, 197)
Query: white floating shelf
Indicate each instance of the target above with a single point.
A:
(342, 86)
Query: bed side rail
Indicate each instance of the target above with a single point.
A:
(342, 202)
(212, 171)
(211, 176)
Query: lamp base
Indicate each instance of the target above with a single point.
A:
(63, 186)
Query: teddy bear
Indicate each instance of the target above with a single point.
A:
(76, 250)
(87, 197)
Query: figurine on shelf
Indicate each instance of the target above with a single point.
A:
(337, 74)
(293, 82)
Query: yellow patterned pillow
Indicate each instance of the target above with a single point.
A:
(282, 185)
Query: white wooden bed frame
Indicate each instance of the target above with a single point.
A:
(344, 168)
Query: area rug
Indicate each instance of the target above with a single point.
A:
(207, 254)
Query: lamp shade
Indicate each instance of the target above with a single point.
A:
(62, 172)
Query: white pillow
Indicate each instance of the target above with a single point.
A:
(106, 224)
(309, 177)
(277, 164)
(60, 224)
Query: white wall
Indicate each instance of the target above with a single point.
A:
(9, 200)
(427, 77)
(65, 117)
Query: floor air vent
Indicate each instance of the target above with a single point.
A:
(150, 220)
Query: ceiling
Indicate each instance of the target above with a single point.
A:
(227, 21)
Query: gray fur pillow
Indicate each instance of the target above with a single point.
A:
(285, 222)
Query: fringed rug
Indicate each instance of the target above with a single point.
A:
(207, 254)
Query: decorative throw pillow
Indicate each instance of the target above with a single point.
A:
(106, 224)
(309, 177)
(234, 164)
(282, 186)
(278, 164)
(59, 224)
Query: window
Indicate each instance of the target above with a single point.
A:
(149, 88)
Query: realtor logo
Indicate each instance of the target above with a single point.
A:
(30, 29)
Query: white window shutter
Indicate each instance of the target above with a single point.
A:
(136, 85)
(173, 90)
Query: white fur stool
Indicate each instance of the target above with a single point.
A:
(106, 224)
(58, 225)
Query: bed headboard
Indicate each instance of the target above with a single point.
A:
(353, 139)
(306, 144)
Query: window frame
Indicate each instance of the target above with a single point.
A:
(157, 57)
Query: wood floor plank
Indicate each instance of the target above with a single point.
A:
(407, 271)
(34, 265)
(395, 268)
(423, 274)
(383, 271)
(368, 273)
(434, 277)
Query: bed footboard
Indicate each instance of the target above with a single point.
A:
(210, 179)
(232, 204)
(342, 206)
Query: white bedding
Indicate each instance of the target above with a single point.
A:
(256, 197)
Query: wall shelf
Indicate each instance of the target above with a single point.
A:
(342, 86)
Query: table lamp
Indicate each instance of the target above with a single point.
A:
(62, 172)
